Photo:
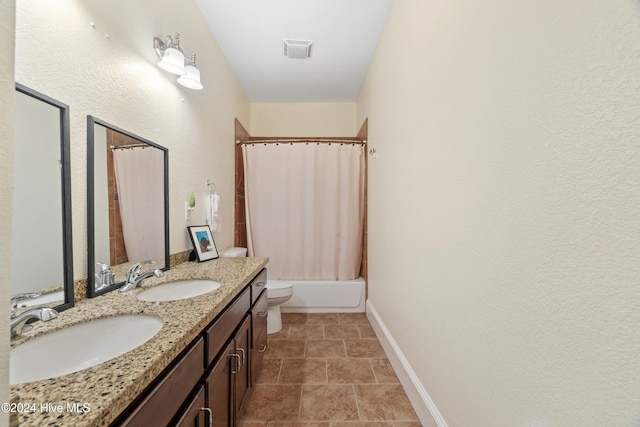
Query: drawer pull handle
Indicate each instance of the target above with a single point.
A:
(241, 350)
(235, 367)
(260, 284)
(210, 412)
(262, 314)
(262, 348)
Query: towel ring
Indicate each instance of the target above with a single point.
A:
(210, 184)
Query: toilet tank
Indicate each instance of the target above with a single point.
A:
(233, 253)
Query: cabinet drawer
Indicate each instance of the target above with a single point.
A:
(164, 400)
(259, 315)
(222, 328)
(258, 285)
(197, 413)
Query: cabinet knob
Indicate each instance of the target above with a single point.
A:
(262, 348)
(262, 314)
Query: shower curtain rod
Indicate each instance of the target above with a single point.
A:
(122, 147)
(299, 140)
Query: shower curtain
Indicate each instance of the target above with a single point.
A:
(304, 208)
(140, 184)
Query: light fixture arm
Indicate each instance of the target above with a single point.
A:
(160, 46)
(191, 61)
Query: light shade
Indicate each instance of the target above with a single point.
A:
(173, 61)
(191, 78)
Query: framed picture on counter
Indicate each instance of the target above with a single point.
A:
(203, 244)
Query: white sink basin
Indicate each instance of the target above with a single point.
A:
(181, 289)
(79, 347)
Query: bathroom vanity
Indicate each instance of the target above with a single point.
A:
(207, 384)
(197, 370)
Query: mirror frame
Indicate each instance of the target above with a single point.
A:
(65, 182)
(91, 122)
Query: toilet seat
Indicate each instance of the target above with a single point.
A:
(278, 288)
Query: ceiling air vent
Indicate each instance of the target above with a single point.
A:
(299, 49)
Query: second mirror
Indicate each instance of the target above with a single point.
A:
(128, 216)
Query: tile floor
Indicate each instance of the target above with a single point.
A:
(327, 370)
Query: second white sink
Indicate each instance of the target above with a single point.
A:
(181, 289)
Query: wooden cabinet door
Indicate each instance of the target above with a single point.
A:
(196, 414)
(219, 387)
(243, 347)
(162, 403)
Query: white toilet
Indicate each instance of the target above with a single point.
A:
(278, 292)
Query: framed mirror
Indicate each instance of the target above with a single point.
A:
(127, 204)
(41, 242)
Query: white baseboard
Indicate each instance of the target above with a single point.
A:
(423, 405)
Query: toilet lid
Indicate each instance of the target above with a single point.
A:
(278, 284)
(279, 288)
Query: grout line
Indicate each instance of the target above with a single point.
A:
(326, 371)
(280, 370)
(355, 394)
(373, 370)
(300, 404)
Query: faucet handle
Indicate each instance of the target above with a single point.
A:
(139, 265)
(104, 277)
(13, 307)
(135, 269)
(103, 267)
(149, 261)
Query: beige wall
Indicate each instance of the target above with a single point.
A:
(7, 31)
(504, 244)
(303, 119)
(116, 79)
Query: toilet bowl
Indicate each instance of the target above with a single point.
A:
(278, 292)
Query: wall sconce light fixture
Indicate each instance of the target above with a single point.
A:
(172, 59)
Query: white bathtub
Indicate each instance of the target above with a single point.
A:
(346, 296)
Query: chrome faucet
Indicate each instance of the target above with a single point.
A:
(104, 278)
(134, 277)
(18, 323)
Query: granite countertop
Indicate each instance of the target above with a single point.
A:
(107, 389)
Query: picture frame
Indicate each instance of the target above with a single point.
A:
(203, 244)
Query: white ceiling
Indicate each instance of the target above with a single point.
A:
(345, 35)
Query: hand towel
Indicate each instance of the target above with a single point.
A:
(212, 213)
